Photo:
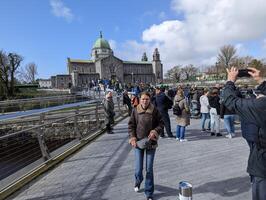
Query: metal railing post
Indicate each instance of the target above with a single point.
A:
(118, 104)
(76, 130)
(40, 135)
(97, 115)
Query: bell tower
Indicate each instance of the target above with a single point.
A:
(157, 66)
(144, 57)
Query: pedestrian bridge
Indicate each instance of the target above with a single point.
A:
(104, 169)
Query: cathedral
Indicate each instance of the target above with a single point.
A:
(104, 65)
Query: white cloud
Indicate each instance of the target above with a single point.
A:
(207, 26)
(60, 10)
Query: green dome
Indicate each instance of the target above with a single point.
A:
(101, 43)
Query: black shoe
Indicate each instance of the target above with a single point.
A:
(212, 134)
(203, 130)
(162, 136)
(218, 134)
(208, 129)
(136, 188)
(110, 132)
(171, 136)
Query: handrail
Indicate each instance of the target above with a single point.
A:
(35, 98)
(48, 138)
(39, 126)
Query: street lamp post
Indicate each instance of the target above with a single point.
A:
(132, 76)
(217, 65)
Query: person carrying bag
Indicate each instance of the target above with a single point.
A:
(144, 127)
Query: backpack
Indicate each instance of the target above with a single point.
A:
(177, 110)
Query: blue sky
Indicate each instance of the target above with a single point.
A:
(33, 31)
(185, 31)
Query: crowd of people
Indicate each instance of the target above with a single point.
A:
(148, 110)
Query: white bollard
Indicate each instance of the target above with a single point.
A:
(185, 191)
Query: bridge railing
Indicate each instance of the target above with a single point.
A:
(27, 144)
(39, 102)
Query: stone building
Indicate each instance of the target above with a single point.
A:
(61, 81)
(45, 83)
(104, 65)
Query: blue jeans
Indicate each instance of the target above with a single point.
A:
(180, 132)
(204, 117)
(149, 181)
(258, 188)
(229, 123)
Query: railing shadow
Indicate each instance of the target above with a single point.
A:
(106, 181)
(225, 188)
(196, 134)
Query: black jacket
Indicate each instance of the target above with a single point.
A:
(253, 111)
(249, 131)
(162, 102)
(225, 111)
(214, 102)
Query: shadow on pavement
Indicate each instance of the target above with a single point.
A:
(196, 134)
(105, 181)
(163, 191)
(225, 188)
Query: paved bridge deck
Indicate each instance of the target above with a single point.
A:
(104, 170)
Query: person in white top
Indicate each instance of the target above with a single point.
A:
(205, 110)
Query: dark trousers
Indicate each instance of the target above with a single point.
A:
(129, 109)
(258, 188)
(251, 145)
(167, 124)
(109, 122)
(108, 127)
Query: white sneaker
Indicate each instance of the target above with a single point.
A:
(229, 136)
(233, 134)
(177, 139)
(183, 140)
(136, 189)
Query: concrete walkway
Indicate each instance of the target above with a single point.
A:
(104, 170)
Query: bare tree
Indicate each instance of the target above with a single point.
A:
(174, 74)
(4, 68)
(30, 72)
(9, 63)
(258, 64)
(189, 71)
(2, 92)
(227, 55)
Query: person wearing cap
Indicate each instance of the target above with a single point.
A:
(109, 113)
(145, 124)
(252, 111)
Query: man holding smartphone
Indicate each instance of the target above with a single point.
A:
(251, 110)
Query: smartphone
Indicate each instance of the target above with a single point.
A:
(244, 72)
